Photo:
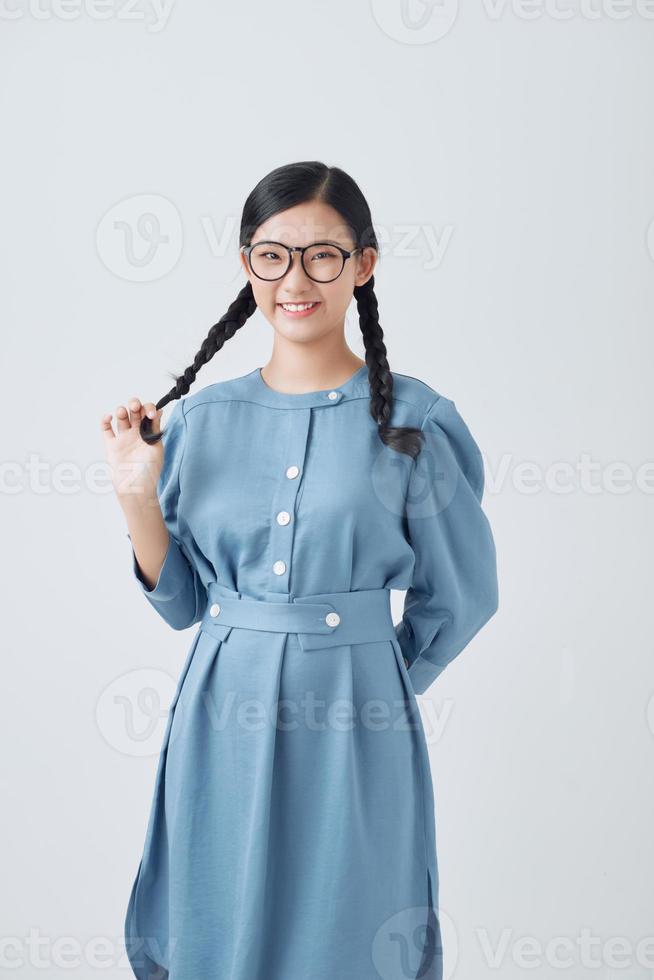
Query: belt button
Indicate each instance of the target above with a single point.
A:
(332, 619)
(215, 609)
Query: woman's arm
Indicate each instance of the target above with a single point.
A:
(149, 536)
(146, 480)
(455, 586)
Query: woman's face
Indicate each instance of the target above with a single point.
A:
(301, 225)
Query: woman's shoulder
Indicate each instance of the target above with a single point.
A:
(230, 389)
(417, 393)
(431, 410)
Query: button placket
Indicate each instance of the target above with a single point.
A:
(282, 522)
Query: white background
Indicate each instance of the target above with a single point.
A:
(507, 153)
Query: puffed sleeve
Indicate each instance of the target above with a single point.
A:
(179, 595)
(454, 589)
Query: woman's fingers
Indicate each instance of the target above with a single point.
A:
(128, 418)
(122, 419)
(135, 411)
(153, 414)
(107, 428)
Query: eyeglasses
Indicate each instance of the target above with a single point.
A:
(271, 260)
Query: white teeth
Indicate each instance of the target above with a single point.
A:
(297, 307)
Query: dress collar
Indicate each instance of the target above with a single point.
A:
(256, 389)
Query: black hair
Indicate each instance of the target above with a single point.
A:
(283, 188)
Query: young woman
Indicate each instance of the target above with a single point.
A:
(291, 834)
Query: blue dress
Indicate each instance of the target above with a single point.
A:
(291, 834)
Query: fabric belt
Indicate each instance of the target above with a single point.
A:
(327, 619)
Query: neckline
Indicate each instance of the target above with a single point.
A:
(306, 398)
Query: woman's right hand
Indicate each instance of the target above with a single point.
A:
(135, 465)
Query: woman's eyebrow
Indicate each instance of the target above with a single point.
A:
(318, 241)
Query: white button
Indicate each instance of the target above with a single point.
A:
(283, 517)
(332, 619)
(292, 472)
(332, 395)
(215, 609)
(406, 663)
(279, 567)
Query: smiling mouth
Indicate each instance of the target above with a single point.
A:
(298, 307)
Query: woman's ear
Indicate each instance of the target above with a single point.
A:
(246, 265)
(366, 262)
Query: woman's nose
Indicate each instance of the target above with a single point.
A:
(296, 274)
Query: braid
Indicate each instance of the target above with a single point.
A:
(404, 439)
(239, 311)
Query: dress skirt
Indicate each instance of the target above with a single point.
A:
(275, 850)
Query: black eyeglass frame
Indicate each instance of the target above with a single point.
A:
(345, 254)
